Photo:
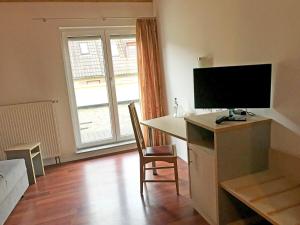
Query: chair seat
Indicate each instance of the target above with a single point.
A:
(163, 150)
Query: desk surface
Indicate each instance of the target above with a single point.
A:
(27, 147)
(173, 126)
(177, 126)
(208, 121)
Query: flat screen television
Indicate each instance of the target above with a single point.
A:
(232, 87)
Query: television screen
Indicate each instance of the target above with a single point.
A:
(232, 87)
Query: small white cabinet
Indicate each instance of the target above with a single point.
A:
(202, 167)
(221, 152)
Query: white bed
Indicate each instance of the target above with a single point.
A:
(13, 184)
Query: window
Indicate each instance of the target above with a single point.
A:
(101, 84)
(114, 50)
(84, 48)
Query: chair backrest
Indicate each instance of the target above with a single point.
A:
(137, 129)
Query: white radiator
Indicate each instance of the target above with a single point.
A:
(27, 123)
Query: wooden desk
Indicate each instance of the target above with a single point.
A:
(33, 159)
(168, 124)
(217, 153)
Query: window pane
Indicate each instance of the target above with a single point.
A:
(88, 73)
(84, 49)
(126, 79)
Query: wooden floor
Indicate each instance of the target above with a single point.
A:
(105, 191)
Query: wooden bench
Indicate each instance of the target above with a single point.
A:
(274, 194)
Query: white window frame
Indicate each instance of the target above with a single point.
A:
(103, 33)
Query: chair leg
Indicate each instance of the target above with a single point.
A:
(144, 172)
(155, 170)
(176, 176)
(141, 177)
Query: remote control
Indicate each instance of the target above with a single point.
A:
(221, 119)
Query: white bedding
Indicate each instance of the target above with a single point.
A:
(13, 184)
(10, 173)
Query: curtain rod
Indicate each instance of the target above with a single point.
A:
(45, 19)
(116, 18)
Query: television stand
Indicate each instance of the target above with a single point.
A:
(218, 153)
(231, 117)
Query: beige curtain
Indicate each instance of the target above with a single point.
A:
(153, 99)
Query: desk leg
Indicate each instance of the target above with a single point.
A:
(150, 138)
(38, 165)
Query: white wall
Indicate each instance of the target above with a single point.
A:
(31, 61)
(236, 32)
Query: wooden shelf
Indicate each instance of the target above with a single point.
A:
(255, 220)
(34, 154)
(200, 147)
(273, 196)
(200, 136)
(23, 147)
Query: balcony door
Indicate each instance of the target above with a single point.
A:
(101, 71)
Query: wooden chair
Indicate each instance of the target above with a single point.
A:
(166, 153)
